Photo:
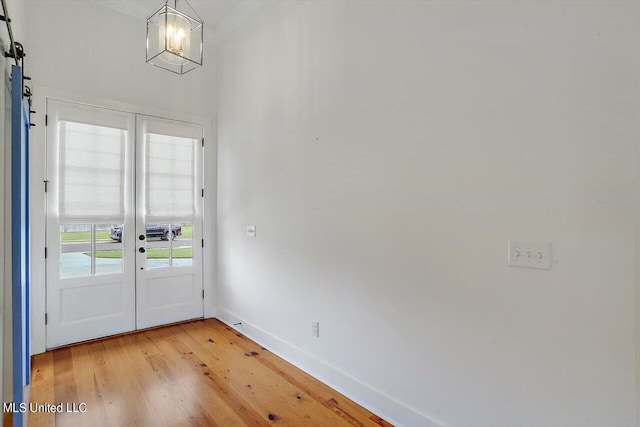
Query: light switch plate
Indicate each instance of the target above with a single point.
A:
(529, 255)
(251, 231)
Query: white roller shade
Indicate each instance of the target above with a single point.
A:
(170, 178)
(92, 168)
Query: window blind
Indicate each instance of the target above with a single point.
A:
(92, 168)
(170, 176)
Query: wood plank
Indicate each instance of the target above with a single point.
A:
(168, 369)
(166, 406)
(199, 373)
(376, 419)
(138, 408)
(114, 403)
(86, 387)
(7, 419)
(42, 386)
(276, 391)
(347, 409)
(217, 411)
(64, 385)
(218, 380)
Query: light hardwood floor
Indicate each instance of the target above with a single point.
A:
(200, 373)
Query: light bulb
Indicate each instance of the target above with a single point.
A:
(175, 38)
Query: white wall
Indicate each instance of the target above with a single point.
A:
(96, 51)
(84, 52)
(17, 13)
(444, 130)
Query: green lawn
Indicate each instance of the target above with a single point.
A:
(152, 253)
(187, 232)
(84, 236)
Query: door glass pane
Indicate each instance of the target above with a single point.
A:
(75, 250)
(109, 248)
(158, 246)
(182, 246)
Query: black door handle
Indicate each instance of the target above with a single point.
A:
(141, 237)
(142, 250)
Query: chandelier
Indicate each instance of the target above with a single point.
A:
(174, 37)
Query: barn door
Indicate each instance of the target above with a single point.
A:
(19, 243)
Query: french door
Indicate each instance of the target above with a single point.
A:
(124, 222)
(168, 221)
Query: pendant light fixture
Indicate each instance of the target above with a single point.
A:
(174, 37)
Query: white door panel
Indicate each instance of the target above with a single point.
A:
(168, 298)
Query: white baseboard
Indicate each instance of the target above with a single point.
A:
(374, 400)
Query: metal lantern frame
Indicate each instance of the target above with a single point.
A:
(154, 21)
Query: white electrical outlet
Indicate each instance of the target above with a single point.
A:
(315, 329)
(251, 231)
(530, 255)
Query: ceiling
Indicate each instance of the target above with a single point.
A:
(221, 17)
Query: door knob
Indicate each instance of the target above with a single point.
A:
(141, 237)
(142, 250)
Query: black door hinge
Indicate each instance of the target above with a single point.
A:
(203, 243)
(46, 185)
(46, 318)
(203, 294)
(203, 192)
(203, 142)
(46, 120)
(45, 252)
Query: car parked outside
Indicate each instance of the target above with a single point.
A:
(160, 231)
